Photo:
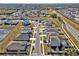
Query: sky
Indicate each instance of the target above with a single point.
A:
(39, 1)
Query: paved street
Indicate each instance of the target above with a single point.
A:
(37, 50)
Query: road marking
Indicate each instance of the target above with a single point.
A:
(32, 43)
(43, 46)
(42, 43)
(31, 48)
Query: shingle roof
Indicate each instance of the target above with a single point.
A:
(63, 42)
(54, 41)
(3, 33)
(26, 22)
(22, 37)
(10, 22)
(14, 46)
(53, 34)
(52, 30)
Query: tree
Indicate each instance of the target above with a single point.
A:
(71, 51)
(54, 15)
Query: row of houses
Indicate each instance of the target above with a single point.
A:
(21, 14)
(54, 40)
(36, 11)
(72, 13)
(21, 42)
(9, 22)
(14, 22)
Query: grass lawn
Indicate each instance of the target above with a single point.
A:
(31, 41)
(44, 38)
(46, 49)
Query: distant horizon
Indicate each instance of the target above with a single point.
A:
(41, 4)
